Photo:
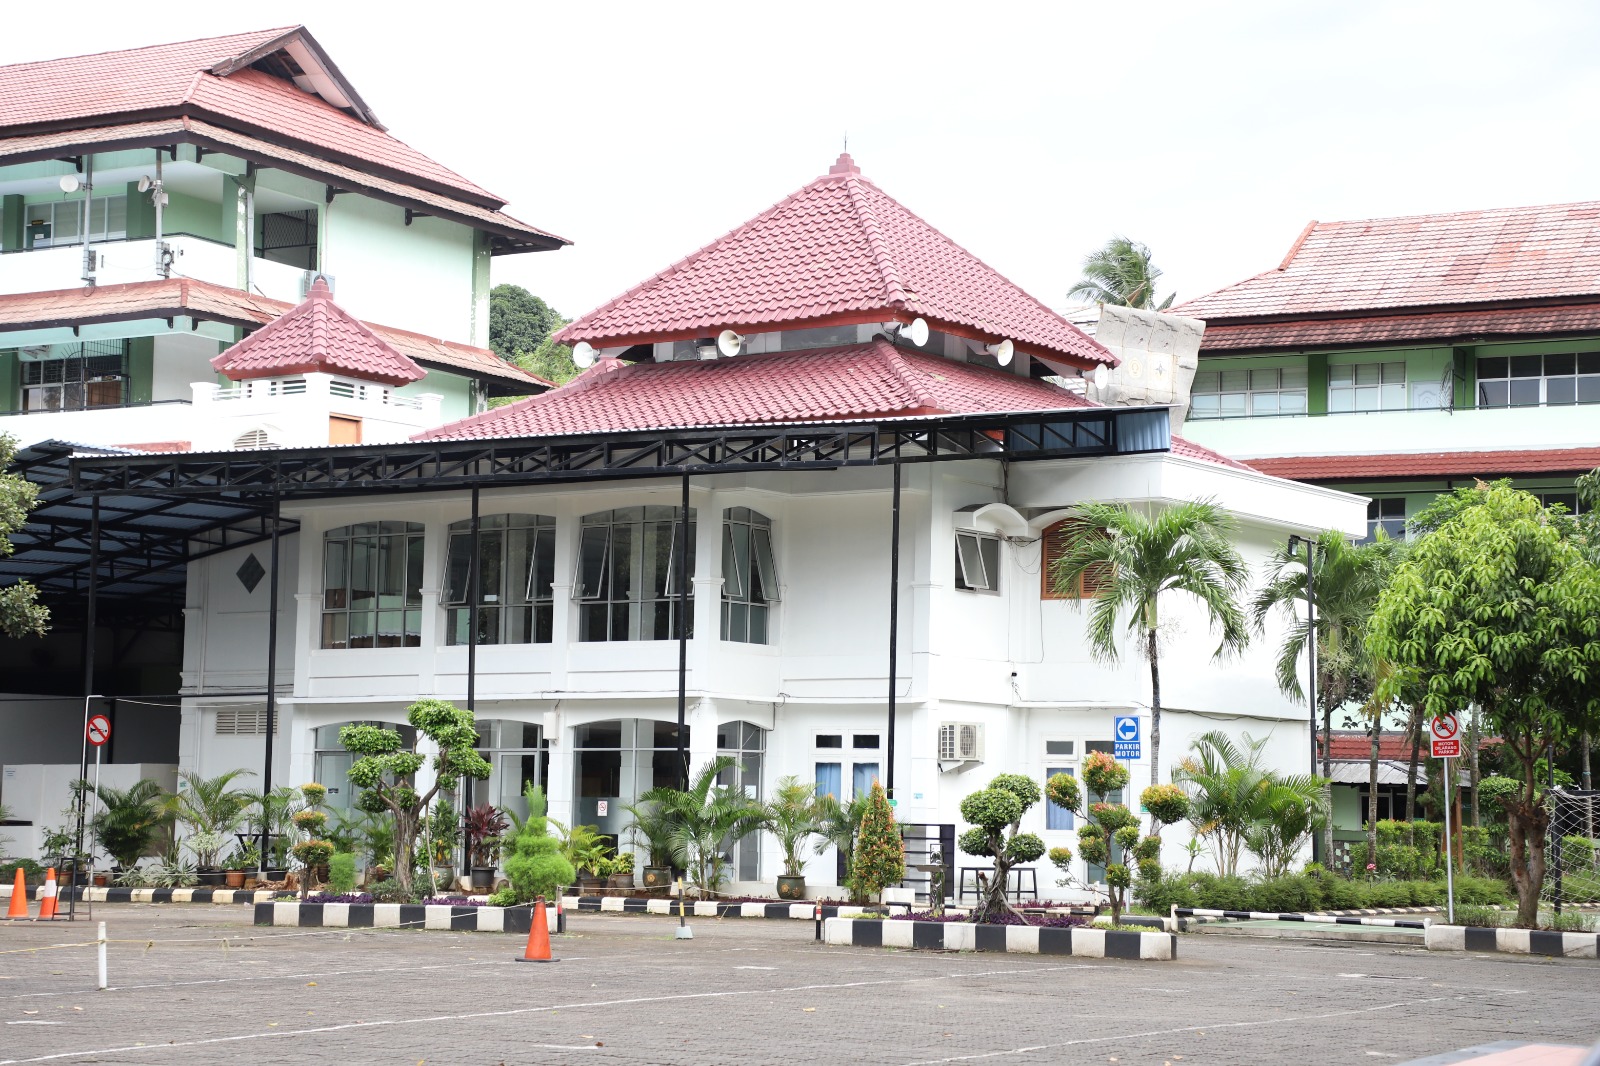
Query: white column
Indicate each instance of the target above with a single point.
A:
(558, 785)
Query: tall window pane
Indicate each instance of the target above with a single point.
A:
(749, 576)
(627, 574)
(516, 563)
(372, 586)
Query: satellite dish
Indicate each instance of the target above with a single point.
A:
(1099, 376)
(1002, 352)
(916, 332)
(729, 343)
(69, 183)
(583, 354)
(145, 183)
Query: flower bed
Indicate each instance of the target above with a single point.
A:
(1038, 921)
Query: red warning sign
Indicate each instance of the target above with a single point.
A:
(1446, 739)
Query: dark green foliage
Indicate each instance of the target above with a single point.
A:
(1126, 836)
(880, 858)
(391, 890)
(32, 872)
(996, 814)
(1120, 273)
(1322, 890)
(21, 615)
(534, 862)
(130, 821)
(518, 321)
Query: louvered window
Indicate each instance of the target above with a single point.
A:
(1055, 541)
(244, 721)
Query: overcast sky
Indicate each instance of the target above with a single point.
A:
(1028, 133)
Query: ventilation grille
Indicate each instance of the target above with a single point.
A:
(243, 721)
(255, 438)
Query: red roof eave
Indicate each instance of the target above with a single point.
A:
(1428, 464)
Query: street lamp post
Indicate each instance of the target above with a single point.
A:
(1311, 657)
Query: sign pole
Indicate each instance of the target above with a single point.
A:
(1449, 862)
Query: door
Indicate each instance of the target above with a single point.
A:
(343, 429)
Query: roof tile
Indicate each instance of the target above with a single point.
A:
(1388, 329)
(317, 335)
(1429, 464)
(1512, 253)
(838, 247)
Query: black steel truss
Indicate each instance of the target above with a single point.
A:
(422, 466)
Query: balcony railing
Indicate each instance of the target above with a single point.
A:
(122, 260)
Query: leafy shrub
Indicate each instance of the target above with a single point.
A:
(32, 872)
(390, 890)
(1477, 916)
(1322, 890)
(1293, 892)
(535, 864)
(506, 897)
(1166, 803)
(342, 872)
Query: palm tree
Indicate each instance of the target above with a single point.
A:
(1120, 273)
(212, 809)
(838, 823)
(1241, 805)
(706, 818)
(1347, 582)
(1133, 560)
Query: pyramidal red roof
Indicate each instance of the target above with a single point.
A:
(875, 379)
(317, 335)
(1512, 253)
(840, 250)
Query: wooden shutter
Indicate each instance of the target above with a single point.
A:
(1054, 541)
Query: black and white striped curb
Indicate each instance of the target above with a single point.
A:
(706, 908)
(403, 916)
(153, 895)
(1274, 916)
(1024, 939)
(1514, 941)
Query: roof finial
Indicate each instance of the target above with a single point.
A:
(844, 164)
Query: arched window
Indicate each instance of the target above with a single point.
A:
(516, 564)
(749, 576)
(372, 586)
(626, 584)
(252, 439)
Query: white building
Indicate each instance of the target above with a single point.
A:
(790, 452)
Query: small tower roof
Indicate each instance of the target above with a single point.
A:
(317, 335)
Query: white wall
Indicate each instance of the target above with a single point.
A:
(381, 265)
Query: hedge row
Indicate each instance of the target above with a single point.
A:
(1320, 890)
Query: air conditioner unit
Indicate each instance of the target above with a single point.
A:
(960, 742)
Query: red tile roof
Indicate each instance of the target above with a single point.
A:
(171, 79)
(1429, 464)
(839, 250)
(1353, 747)
(1445, 326)
(317, 335)
(1513, 253)
(203, 300)
(1190, 450)
(869, 380)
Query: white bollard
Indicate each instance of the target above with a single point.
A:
(102, 953)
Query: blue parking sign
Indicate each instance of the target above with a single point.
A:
(1125, 737)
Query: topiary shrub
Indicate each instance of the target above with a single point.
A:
(534, 863)
(880, 854)
(996, 815)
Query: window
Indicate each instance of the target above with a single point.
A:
(749, 576)
(516, 566)
(1367, 387)
(831, 774)
(1532, 380)
(746, 744)
(626, 583)
(74, 377)
(829, 781)
(1054, 541)
(331, 762)
(616, 762)
(977, 561)
(289, 237)
(865, 740)
(1569, 500)
(1248, 393)
(518, 757)
(1388, 514)
(830, 740)
(372, 586)
(1059, 758)
(60, 222)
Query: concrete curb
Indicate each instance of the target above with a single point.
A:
(1513, 941)
(707, 908)
(86, 894)
(401, 916)
(1031, 940)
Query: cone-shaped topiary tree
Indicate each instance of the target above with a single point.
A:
(534, 862)
(996, 816)
(880, 856)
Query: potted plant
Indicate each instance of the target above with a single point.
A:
(210, 809)
(485, 825)
(588, 852)
(620, 871)
(444, 834)
(791, 814)
(244, 858)
(129, 821)
(653, 821)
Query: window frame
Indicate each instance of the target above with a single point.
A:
(1376, 519)
(1247, 390)
(1354, 387)
(986, 547)
(749, 580)
(1052, 543)
(1585, 372)
(638, 610)
(513, 592)
(412, 543)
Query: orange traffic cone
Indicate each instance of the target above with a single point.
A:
(47, 895)
(538, 949)
(19, 898)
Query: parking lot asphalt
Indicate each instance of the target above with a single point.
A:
(197, 984)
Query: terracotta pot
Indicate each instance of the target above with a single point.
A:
(791, 887)
(233, 878)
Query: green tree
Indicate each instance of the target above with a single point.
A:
(880, 857)
(212, 808)
(1133, 561)
(386, 773)
(21, 615)
(1111, 838)
(534, 863)
(1498, 606)
(705, 819)
(130, 820)
(1347, 582)
(791, 815)
(1120, 273)
(1232, 796)
(996, 815)
(519, 321)
(838, 823)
